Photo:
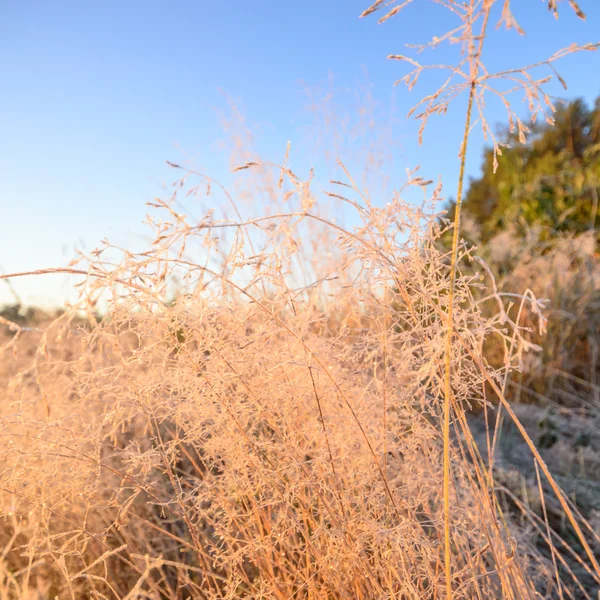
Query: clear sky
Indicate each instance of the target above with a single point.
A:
(97, 95)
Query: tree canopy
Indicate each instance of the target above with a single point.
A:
(552, 181)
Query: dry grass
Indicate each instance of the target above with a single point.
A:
(277, 408)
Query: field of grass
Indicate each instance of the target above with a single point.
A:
(283, 408)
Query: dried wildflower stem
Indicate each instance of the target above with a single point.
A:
(448, 351)
(475, 55)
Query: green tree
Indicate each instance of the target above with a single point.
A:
(552, 181)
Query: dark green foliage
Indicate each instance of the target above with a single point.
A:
(548, 436)
(552, 181)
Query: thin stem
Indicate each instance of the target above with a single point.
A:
(448, 352)
(475, 54)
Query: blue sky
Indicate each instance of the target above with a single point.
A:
(97, 95)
